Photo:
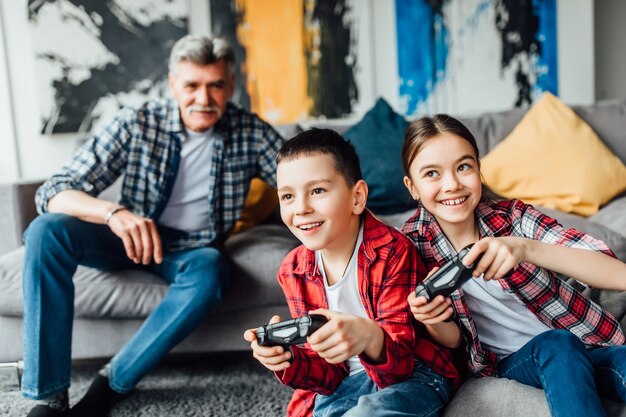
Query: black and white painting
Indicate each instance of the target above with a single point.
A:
(93, 57)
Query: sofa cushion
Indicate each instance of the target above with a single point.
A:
(615, 241)
(378, 140)
(613, 215)
(495, 397)
(255, 256)
(608, 119)
(554, 159)
(261, 201)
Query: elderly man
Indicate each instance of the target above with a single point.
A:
(187, 164)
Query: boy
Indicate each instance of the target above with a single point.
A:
(358, 272)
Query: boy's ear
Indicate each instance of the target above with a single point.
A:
(359, 194)
(409, 186)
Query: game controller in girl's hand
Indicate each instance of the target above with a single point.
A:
(448, 278)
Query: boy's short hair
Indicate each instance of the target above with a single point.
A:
(326, 142)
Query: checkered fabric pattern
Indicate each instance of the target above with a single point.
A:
(144, 146)
(388, 271)
(556, 303)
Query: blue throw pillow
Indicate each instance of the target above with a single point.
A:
(378, 141)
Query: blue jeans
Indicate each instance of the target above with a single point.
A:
(572, 377)
(55, 245)
(425, 393)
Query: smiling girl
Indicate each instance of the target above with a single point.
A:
(519, 319)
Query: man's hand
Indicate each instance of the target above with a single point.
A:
(140, 236)
(345, 336)
(274, 358)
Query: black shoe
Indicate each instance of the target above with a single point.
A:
(46, 411)
(98, 400)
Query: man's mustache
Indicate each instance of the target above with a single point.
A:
(209, 109)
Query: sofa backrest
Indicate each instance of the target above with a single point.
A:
(607, 118)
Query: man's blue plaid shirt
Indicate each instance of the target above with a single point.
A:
(144, 146)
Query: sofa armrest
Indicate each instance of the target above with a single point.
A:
(17, 210)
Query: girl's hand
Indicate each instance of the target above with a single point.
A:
(345, 336)
(274, 358)
(500, 255)
(435, 311)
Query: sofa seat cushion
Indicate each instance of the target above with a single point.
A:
(255, 257)
(495, 397)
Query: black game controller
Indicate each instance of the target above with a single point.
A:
(448, 278)
(289, 332)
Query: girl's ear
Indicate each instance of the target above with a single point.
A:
(359, 192)
(409, 186)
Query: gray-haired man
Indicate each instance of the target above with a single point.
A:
(187, 164)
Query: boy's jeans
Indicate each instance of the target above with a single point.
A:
(55, 245)
(572, 376)
(424, 394)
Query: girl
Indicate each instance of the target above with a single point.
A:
(521, 320)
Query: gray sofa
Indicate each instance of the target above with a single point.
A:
(109, 307)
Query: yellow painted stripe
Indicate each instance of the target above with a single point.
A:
(272, 33)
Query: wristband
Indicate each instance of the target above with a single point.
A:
(112, 212)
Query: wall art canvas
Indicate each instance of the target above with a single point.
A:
(96, 56)
(468, 56)
(298, 59)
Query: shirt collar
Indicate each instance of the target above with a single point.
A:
(375, 235)
(490, 222)
(174, 122)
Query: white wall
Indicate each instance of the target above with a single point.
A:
(610, 47)
(576, 51)
(41, 155)
(9, 164)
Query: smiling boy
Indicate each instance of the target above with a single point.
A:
(368, 359)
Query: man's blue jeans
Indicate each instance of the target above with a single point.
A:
(572, 377)
(55, 245)
(424, 394)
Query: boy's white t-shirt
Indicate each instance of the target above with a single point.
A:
(188, 208)
(503, 323)
(344, 296)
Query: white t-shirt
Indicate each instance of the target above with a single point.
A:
(344, 296)
(503, 323)
(188, 206)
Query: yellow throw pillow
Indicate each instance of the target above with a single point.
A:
(260, 202)
(554, 159)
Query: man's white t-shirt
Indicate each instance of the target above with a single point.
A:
(188, 207)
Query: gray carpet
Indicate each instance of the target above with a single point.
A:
(233, 384)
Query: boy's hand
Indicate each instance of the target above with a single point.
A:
(345, 336)
(435, 311)
(500, 255)
(274, 358)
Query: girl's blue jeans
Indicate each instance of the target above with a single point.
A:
(424, 394)
(55, 245)
(572, 376)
